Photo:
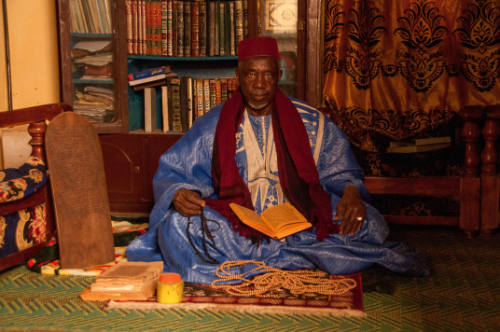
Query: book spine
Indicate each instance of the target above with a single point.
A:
(170, 28)
(175, 114)
(158, 26)
(223, 88)
(187, 28)
(206, 95)
(222, 31)
(195, 21)
(218, 92)
(202, 28)
(148, 73)
(227, 28)
(211, 28)
(174, 27)
(135, 26)
(190, 104)
(164, 27)
(164, 108)
(213, 99)
(149, 39)
(245, 18)
(238, 19)
(184, 101)
(232, 28)
(199, 97)
(128, 14)
(149, 109)
(216, 27)
(180, 28)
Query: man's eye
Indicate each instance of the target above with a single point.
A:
(251, 75)
(268, 76)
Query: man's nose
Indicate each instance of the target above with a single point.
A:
(259, 80)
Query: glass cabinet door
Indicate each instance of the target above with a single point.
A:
(92, 59)
(279, 19)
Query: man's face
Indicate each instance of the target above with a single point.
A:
(258, 79)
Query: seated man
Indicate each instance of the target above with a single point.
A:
(259, 149)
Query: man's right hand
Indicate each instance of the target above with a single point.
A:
(188, 202)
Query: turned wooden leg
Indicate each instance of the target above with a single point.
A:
(489, 179)
(470, 184)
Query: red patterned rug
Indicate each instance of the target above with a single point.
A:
(198, 296)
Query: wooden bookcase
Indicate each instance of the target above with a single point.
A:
(130, 155)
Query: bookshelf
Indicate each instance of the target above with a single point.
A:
(131, 154)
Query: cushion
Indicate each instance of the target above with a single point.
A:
(21, 182)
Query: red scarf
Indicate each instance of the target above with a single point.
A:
(297, 170)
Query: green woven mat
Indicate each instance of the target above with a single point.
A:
(461, 295)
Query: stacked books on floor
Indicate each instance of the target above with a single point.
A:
(126, 281)
(419, 145)
(187, 28)
(183, 99)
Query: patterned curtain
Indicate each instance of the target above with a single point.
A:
(395, 69)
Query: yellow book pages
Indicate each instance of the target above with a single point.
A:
(251, 218)
(278, 221)
(284, 219)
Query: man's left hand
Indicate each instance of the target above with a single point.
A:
(351, 210)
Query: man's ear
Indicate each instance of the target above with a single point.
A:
(237, 72)
(280, 73)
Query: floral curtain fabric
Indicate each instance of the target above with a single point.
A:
(397, 68)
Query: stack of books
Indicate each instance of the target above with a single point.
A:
(125, 281)
(419, 145)
(150, 77)
(95, 103)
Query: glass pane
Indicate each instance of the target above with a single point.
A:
(92, 59)
(278, 19)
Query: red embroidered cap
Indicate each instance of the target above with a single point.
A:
(258, 46)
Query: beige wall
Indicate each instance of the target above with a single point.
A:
(33, 63)
(33, 52)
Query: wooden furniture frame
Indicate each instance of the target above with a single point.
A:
(466, 187)
(490, 181)
(36, 118)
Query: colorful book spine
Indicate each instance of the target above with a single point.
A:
(148, 72)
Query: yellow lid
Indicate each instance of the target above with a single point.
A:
(170, 278)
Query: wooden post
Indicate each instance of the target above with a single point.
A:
(489, 178)
(470, 186)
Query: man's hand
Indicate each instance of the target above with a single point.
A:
(351, 210)
(188, 202)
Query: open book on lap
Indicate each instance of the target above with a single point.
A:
(277, 222)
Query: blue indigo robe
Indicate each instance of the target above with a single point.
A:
(187, 164)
